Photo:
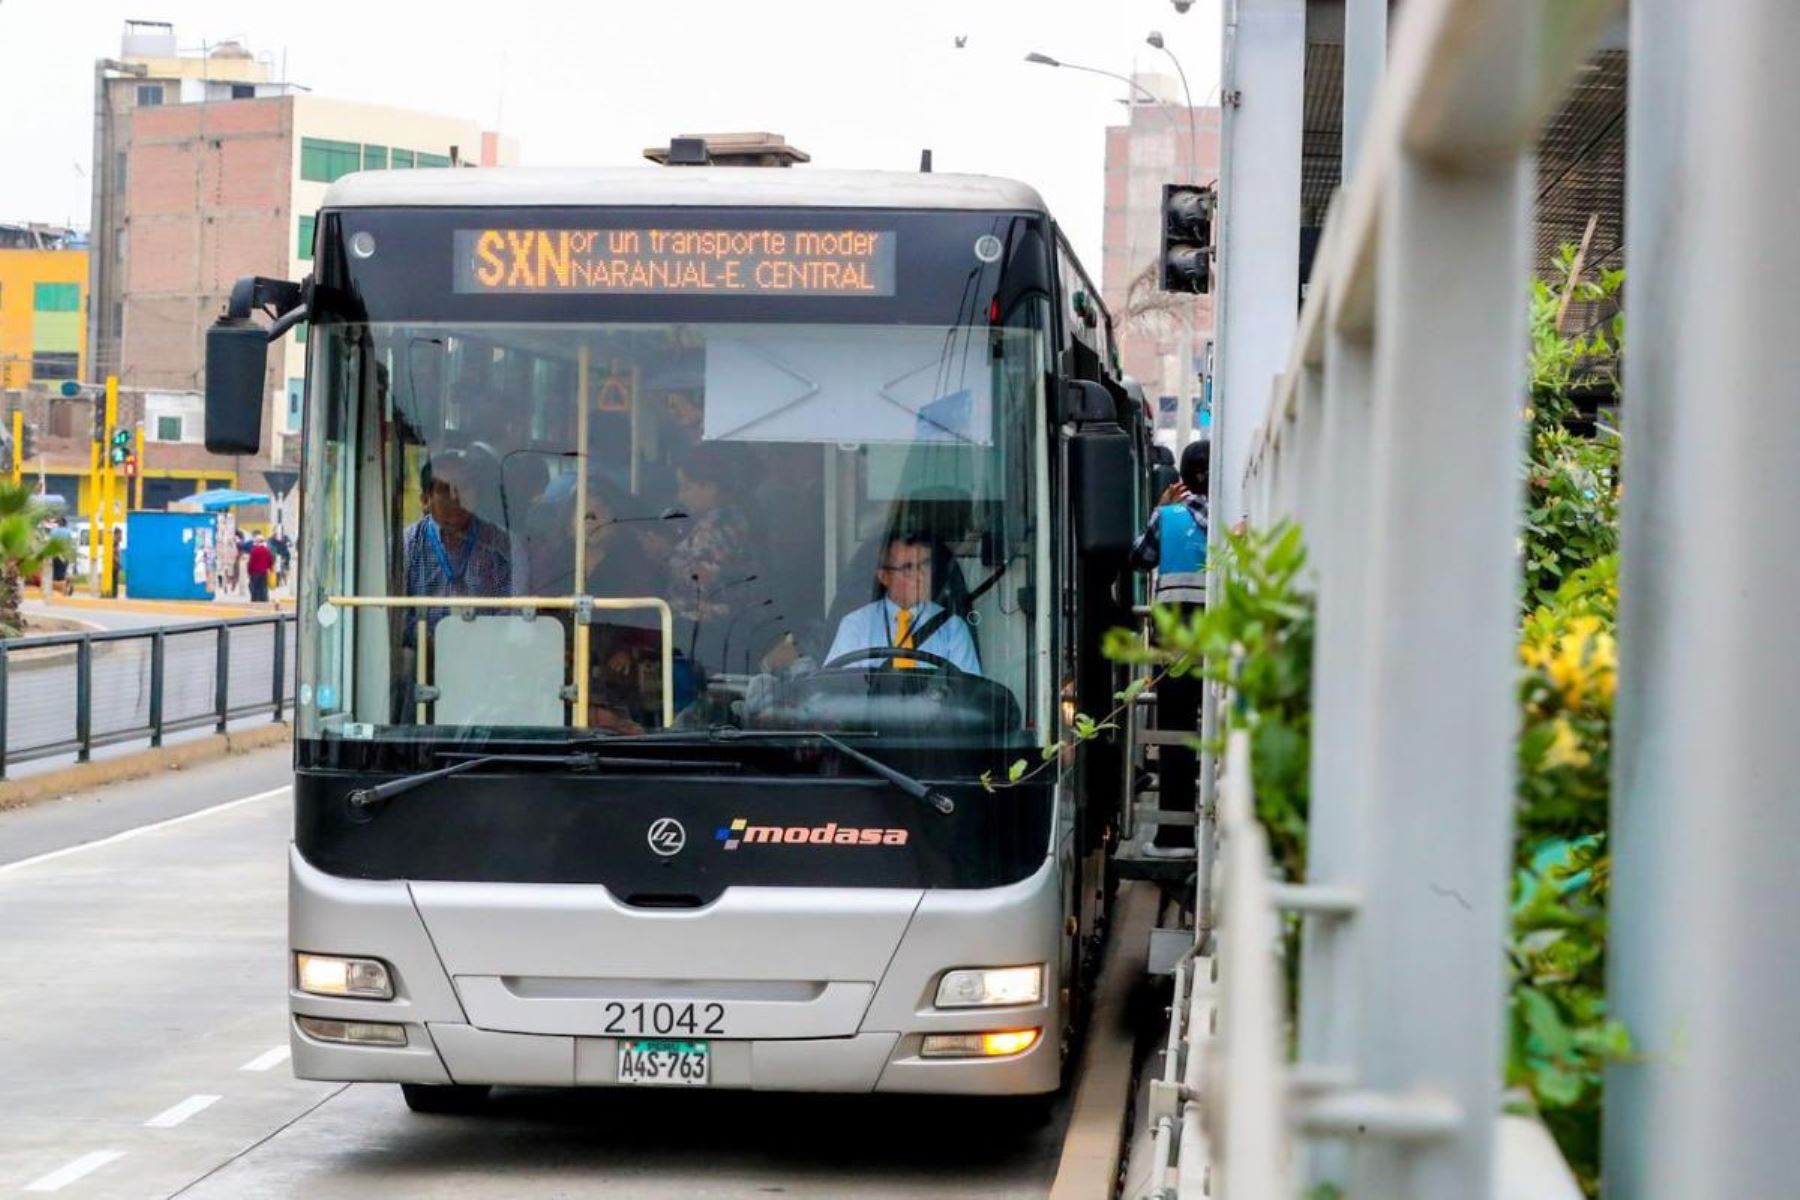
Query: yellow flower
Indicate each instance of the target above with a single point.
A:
(1606, 685)
(1535, 654)
(1566, 750)
(1568, 672)
(1586, 626)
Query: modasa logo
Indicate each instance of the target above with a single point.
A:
(829, 834)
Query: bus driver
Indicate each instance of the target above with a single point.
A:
(904, 607)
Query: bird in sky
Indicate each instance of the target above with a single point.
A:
(962, 39)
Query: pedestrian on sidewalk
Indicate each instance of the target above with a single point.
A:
(59, 566)
(284, 552)
(259, 562)
(116, 565)
(229, 561)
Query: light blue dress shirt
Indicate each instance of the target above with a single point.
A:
(874, 623)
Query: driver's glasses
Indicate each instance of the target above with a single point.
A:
(907, 570)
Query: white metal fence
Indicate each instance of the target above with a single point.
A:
(1393, 436)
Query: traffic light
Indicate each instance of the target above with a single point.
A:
(1187, 238)
(28, 451)
(99, 421)
(131, 466)
(121, 446)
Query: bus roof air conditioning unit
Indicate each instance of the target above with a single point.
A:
(688, 152)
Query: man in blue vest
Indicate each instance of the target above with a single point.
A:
(1174, 546)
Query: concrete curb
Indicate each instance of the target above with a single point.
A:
(199, 610)
(1095, 1143)
(82, 777)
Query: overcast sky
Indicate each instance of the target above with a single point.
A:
(855, 83)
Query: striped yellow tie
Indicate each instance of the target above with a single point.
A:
(903, 639)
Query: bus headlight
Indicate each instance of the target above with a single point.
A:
(328, 975)
(991, 987)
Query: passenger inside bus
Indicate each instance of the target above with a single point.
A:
(449, 550)
(903, 616)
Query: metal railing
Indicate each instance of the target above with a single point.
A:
(67, 693)
(1393, 438)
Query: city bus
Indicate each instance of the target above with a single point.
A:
(689, 555)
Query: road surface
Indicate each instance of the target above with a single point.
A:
(143, 1042)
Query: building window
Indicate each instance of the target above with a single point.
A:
(374, 158)
(296, 391)
(119, 170)
(243, 91)
(433, 160)
(149, 94)
(300, 333)
(56, 297)
(305, 250)
(168, 429)
(402, 159)
(54, 365)
(322, 161)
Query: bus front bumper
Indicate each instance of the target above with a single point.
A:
(438, 1041)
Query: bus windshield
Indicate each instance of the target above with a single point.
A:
(555, 529)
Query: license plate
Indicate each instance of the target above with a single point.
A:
(669, 1064)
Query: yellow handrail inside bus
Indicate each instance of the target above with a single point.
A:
(665, 616)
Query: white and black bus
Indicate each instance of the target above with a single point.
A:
(682, 547)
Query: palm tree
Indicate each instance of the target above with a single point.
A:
(25, 546)
(1150, 309)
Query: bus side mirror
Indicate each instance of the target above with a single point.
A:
(1103, 470)
(237, 361)
(1084, 401)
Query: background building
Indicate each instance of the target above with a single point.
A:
(1163, 142)
(43, 296)
(207, 169)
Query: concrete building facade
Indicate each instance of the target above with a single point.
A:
(150, 72)
(43, 296)
(214, 171)
(1160, 142)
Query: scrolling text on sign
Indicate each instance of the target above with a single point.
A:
(807, 262)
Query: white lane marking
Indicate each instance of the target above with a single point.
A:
(63, 1176)
(267, 1059)
(142, 829)
(169, 1118)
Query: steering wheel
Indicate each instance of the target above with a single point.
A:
(935, 661)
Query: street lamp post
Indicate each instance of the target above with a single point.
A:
(1156, 102)
(1156, 39)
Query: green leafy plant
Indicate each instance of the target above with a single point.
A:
(1571, 480)
(1560, 1034)
(25, 546)
(1257, 636)
(1081, 728)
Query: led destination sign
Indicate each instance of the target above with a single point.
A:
(772, 262)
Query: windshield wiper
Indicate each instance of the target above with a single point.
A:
(580, 761)
(921, 792)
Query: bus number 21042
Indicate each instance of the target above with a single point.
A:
(664, 1017)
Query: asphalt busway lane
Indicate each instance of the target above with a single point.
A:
(143, 1054)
